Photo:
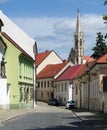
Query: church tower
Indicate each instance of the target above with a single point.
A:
(77, 53)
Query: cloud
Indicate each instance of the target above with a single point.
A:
(56, 33)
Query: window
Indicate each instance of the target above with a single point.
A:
(44, 84)
(104, 83)
(76, 43)
(62, 86)
(77, 60)
(80, 42)
(41, 84)
(76, 89)
(21, 94)
(38, 84)
(65, 86)
(31, 94)
(48, 83)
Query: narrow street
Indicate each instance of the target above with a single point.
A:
(45, 118)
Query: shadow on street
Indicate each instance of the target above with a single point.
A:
(93, 120)
(61, 128)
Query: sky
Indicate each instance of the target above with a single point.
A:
(52, 23)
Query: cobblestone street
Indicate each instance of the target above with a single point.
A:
(90, 120)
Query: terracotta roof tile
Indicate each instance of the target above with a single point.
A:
(102, 59)
(83, 68)
(51, 70)
(41, 56)
(70, 73)
(88, 58)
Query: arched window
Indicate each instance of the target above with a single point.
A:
(76, 43)
(80, 42)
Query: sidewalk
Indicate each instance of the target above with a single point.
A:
(8, 114)
(12, 113)
(92, 119)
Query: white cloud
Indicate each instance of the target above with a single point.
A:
(57, 33)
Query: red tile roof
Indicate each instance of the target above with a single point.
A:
(41, 56)
(83, 69)
(102, 59)
(70, 73)
(88, 58)
(51, 70)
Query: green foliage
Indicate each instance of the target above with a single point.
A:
(100, 47)
(105, 2)
(105, 19)
(105, 16)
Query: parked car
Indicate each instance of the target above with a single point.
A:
(53, 101)
(70, 104)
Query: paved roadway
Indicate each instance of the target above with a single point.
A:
(45, 118)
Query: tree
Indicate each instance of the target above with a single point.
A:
(100, 48)
(105, 16)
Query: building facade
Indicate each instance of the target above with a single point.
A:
(19, 75)
(45, 58)
(90, 87)
(17, 69)
(64, 84)
(46, 81)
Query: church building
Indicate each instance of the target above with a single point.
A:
(77, 53)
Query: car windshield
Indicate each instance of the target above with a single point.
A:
(72, 101)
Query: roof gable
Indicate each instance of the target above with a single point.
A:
(19, 36)
(15, 44)
(51, 70)
(41, 56)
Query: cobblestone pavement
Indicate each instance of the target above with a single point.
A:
(90, 119)
(44, 107)
(12, 113)
(39, 107)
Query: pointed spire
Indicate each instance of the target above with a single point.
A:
(78, 25)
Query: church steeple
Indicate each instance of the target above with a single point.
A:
(78, 25)
(77, 53)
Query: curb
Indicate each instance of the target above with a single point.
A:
(80, 120)
(14, 115)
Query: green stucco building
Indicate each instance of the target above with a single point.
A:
(19, 56)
